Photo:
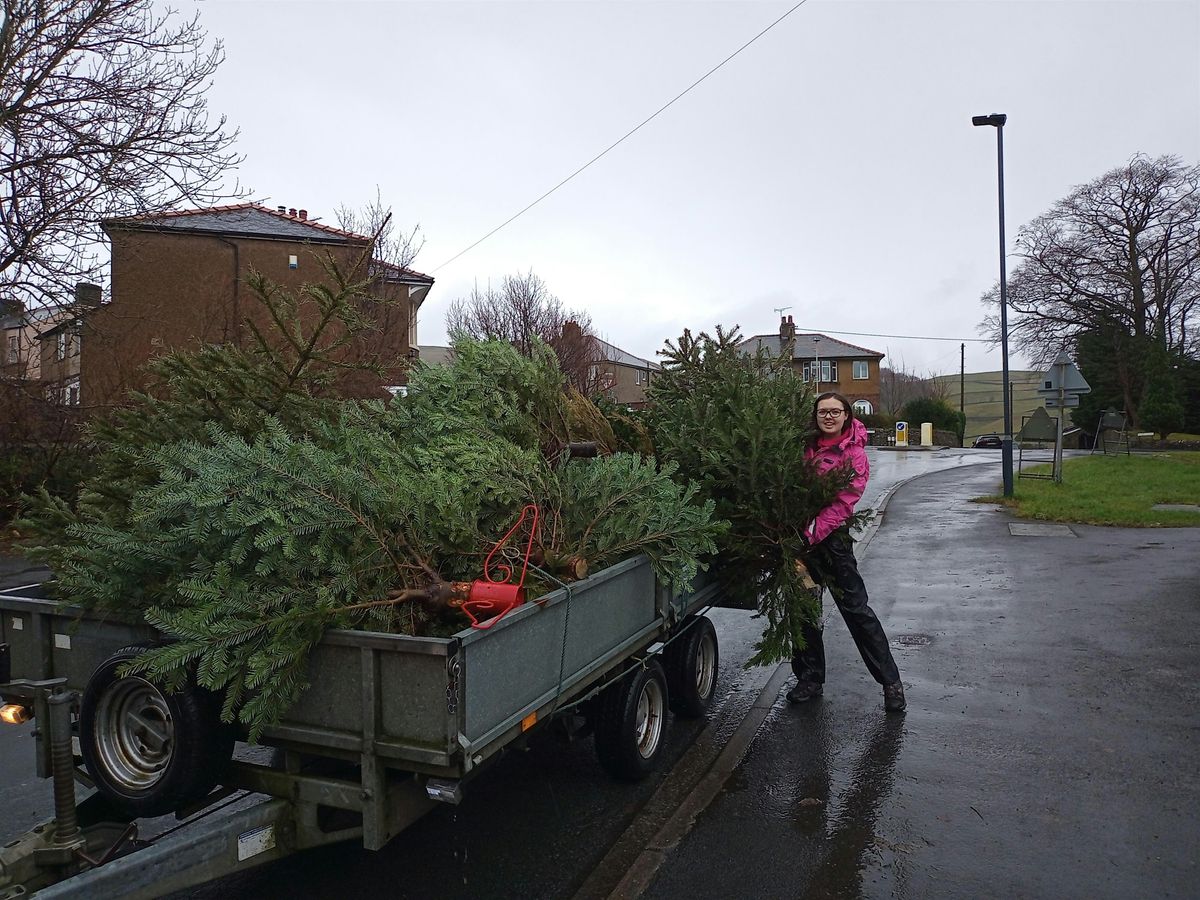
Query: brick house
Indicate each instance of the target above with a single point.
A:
(827, 363)
(179, 281)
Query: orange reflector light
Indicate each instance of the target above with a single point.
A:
(529, 721)
(15, 714)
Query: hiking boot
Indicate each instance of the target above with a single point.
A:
(893, 697)
(804, 690)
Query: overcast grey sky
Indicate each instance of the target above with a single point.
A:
(831, 167)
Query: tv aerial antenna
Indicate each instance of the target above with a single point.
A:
(781, 310)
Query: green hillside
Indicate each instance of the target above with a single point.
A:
(984, 399)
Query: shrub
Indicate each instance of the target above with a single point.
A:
(926, 409)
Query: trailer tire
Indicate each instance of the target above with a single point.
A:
(150, 752)
(631, 722)
(692, 660)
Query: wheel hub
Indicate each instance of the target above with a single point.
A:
(649, 718)
(135, 734)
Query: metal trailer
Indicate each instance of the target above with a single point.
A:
(390, 725)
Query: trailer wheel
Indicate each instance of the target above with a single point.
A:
(631, 722)
(150, 752)
(692, 661)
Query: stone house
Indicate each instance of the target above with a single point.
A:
(623, 377)
(21, 330)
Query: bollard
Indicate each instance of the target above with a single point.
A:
(926, 434)
(901, 434)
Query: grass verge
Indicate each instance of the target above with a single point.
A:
(1108, 490)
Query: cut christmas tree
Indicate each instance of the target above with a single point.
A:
(242, 509)
(737, 425)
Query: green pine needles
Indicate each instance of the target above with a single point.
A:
(243, 509)
(737, 425)
(607, 509)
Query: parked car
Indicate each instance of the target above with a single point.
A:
(987, 442)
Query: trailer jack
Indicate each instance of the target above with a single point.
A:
(59, 848)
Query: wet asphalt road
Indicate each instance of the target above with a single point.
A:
(1050, 746)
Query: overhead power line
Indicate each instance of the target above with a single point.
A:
(623, 138)
(907, 337)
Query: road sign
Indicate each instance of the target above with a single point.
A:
(1068, 401)
(1039, 427)
(1063, 377)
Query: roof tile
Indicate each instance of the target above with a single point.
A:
(808, 345)
(249, 219)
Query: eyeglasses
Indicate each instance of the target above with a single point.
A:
(830, 413)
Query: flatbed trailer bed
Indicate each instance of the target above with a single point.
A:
(390, 725)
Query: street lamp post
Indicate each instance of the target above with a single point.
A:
(997, 121)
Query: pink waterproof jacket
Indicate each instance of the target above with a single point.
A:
(848, 451)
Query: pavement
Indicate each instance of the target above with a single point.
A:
(15, 571)
(1050, 744)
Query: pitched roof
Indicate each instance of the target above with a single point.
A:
(241, 219)
(64, 325)
(616, 354)
(34, 317)
(391, 271)
(809, 346)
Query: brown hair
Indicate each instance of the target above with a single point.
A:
(845, 405)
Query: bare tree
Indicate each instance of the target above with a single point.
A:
(391, 247)
(41, 441)
(522, 311)
(392, 253)
(1121, 251)
(102, 114)
(898, 386)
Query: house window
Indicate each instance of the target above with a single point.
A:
(14, 349)
(861, 370)
(68, 394)
(863, 407)
(640, 376)
(828, 370)
(60, 351)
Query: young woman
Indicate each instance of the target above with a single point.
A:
(839, 442)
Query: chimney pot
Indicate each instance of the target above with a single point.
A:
(292, 212)
(787, 336)
(304, 215)
(281, 209)
(87, 294)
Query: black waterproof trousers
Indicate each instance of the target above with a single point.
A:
(836, 567)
